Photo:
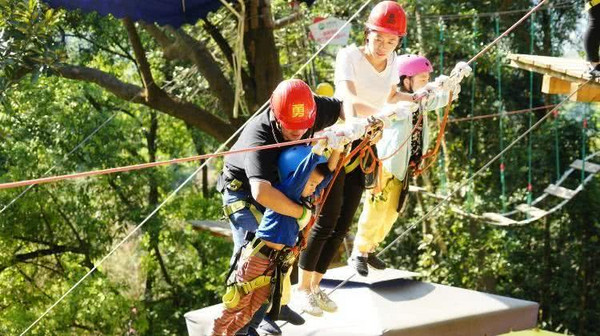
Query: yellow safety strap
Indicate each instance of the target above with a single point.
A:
(238, 205)
(352, 165)
(234, 207)
(254, 284)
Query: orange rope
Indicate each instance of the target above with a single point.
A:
(438, 141)
(321, 200)
(151, 164)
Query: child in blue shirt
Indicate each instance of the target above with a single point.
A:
(303, 174)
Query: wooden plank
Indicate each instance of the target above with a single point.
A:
(572, 70)
(589, 167)
(498, 218)
(553, 85)
(531, 210)
(586, 94)
(559, 191)
(217, 228)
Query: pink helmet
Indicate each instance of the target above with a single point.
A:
(411, 65)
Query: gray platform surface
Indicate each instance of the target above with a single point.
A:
(402, 307)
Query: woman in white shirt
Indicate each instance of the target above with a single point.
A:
(365, 80)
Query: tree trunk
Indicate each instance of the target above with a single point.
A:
(261, 50)
(204, 179)
(152, 227)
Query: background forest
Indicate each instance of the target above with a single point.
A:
(80, 92)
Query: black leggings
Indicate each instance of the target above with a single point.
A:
(592, 35)
(336, 217)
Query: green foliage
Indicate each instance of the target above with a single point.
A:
(166, 268)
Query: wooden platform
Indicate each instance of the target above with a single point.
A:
(402, 307)
(561, 75)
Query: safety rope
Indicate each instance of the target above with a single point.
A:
(530, 138)
(469, 180)
(33, 182)
(260, 109)
(483, 168)
(186, 181)
(152, 164)
(501, 118)
(439, 139)
(462, 185)
(344, 160)
(472, 60)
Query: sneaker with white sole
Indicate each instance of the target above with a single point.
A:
(325, 302)
(307, 302)
(359, 264)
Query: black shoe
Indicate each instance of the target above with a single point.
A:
(288, 315)
(359, 263)
(251, 332)
(375, 262)
(269, 327)
(595, 71)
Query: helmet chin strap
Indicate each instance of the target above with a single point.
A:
(410, 88)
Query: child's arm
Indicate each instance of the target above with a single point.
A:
(334, 158)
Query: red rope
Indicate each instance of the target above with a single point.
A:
(150, 164)
(344, 160)
(484, 116)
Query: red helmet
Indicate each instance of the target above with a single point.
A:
(293, 105)
(388, 17)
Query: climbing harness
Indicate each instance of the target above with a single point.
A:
(279, 263)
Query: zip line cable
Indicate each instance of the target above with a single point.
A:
(184, 183)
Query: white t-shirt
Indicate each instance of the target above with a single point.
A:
(372, 86)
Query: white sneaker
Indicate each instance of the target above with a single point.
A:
(325, 302)
(307, 302)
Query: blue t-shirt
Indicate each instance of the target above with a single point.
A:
(281, 229)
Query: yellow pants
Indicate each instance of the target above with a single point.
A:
(378, 215)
